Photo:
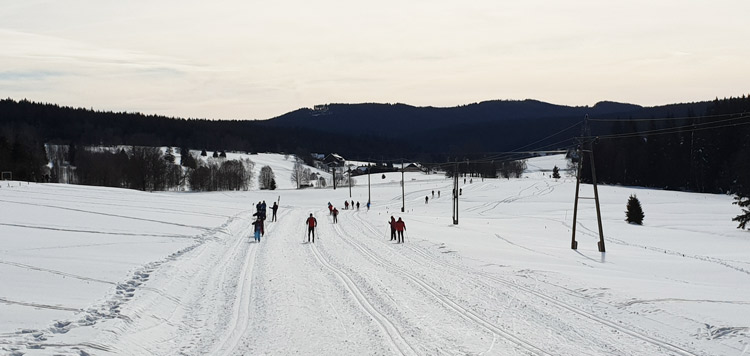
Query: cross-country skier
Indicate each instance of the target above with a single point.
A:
(357, 205)
(400, 227)
(330, 209)
(273, 209)
(335, 215)
(346, 204)
(258, 227)
(312, 223)
(426, 198)
(392, 223)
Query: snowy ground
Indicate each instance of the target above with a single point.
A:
(86, 270)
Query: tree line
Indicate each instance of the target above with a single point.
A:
(706, 153)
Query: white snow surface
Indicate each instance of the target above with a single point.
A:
(101, 271)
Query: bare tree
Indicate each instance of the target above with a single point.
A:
(266, 178)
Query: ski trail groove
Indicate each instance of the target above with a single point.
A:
(239, 321)
(395, 337)
(461, 311)
(638, 335)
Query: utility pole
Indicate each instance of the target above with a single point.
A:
(586, 140)
(369, 168)
(350, 181)
(403, 197)
(333, 168)
(455, 194)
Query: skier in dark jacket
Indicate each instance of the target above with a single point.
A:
(311, 223)
(335, 215)
(392, 223)
(257, 228)
(273, 209)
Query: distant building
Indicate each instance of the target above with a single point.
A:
(413, 167)
(334, 160)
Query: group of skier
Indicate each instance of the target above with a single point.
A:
(397, 226)
(397, 229)
(260, 218)
(347, 205)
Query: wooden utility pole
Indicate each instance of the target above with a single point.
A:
(584, 141)
(334, 176)
(369, 169)
(455, 194)
(403, 197)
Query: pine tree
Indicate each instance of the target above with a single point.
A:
(169, 156)
(556, 172)
(743, 201)
(216, 154)
(634, 215)
(203, 153)
(223, 154)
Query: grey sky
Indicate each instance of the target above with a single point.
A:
(259, 59)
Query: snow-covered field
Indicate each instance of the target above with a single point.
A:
(87, 270)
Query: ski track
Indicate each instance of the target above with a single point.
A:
(442, 299)
(395, 337)
(725, 263)
(590, 316)
(108, 214)
(112, 307)
(98, 232)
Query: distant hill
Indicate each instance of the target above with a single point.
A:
(357, 131)
(487, 126)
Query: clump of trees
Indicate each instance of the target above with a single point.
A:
(506, 169)
(556, 172)
(512, 169)
(634, 214)
(220, 174)
(266, 178)
(22, 152)
(301, 175)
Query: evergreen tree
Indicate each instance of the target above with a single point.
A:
(634, 214)
(223, 154)
(204, 154)
(556, 172)
(169, 156)
(215, 155)
(744, 203)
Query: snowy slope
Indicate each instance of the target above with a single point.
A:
(110, 271)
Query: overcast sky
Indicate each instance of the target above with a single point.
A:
(254, 59)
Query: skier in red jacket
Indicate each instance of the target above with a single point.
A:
(312, 223)
(400, 227)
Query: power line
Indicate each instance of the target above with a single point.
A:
(666, 118)
(678, 129)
